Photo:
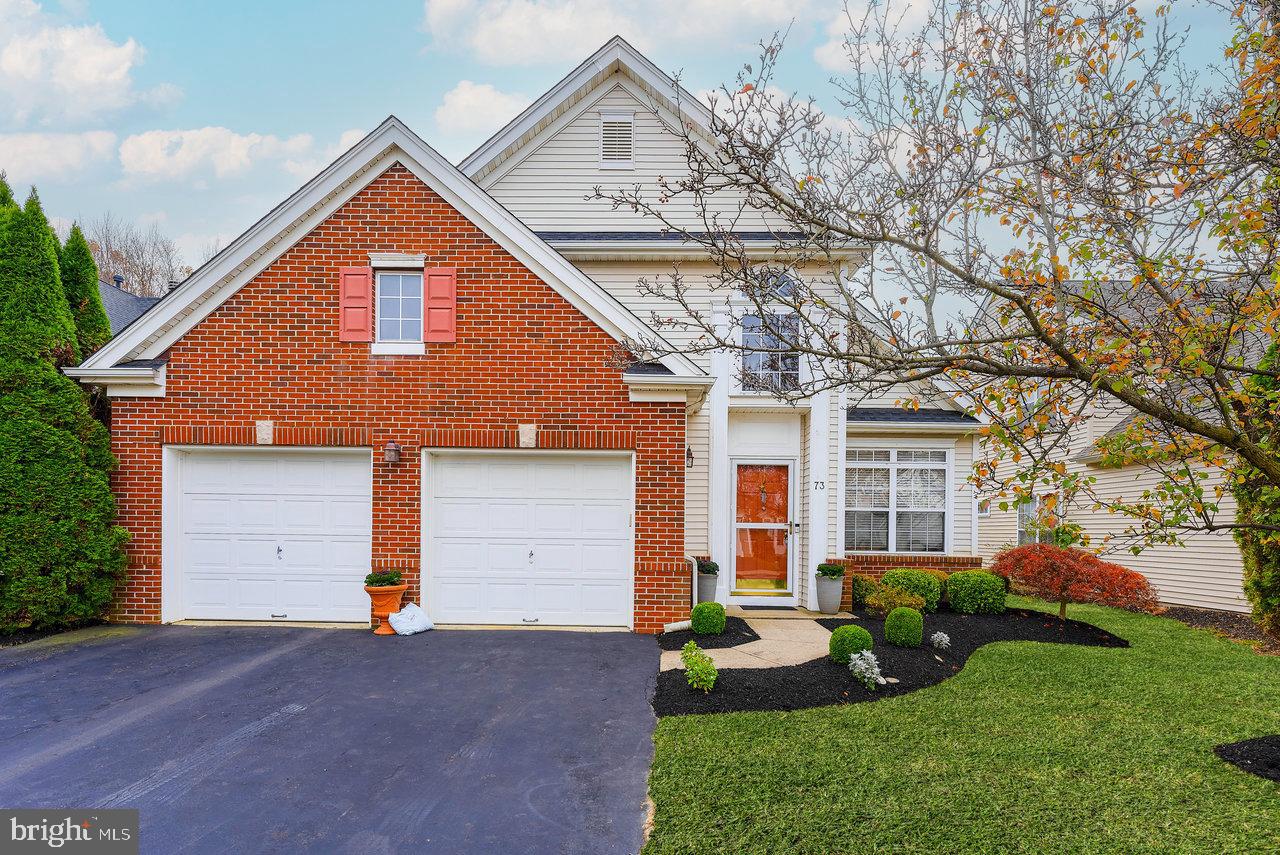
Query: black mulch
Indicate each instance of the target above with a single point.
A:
(1233, 625)
(823, 682)
(735, 632)
(1259, 756)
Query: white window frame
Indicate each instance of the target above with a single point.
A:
(396, 347)
(746, 308)
(629, 117)
(893, 446)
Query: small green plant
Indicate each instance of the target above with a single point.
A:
(860, 588)
(707, 618)
(831, 571)
(917, 582)
(887, 599)
(904, 627)
(866, 670)
(699, 670)
(973, 592)
(708, 567)
(846, 641)
(383, 579)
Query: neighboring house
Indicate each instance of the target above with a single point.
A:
(1206, 572)
(414, 366)
(122, 307)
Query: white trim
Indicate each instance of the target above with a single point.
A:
(815, 527)
(122, 382)
(172, 604)
(397, 348)
(648, 250)
(426, 520)
(396, 261)
(614, 55)
(912, 427)
(392, 142)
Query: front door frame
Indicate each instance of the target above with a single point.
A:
(789, 599)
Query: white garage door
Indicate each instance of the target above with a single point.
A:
(275, 535)
(529, 539)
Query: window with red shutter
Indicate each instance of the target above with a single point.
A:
(355, 304)
(440, 306)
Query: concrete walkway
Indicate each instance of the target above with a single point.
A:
(783, 641)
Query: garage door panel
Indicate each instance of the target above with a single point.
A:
(267, 533)
(484, 517)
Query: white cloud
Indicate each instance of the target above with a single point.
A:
(524, 32)
(54, 72)
(903, 18)
(477, 109)
(182, 153)
(27, 158)
(307, 166)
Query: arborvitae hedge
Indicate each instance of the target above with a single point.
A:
(1258, 503)
(80, 284)
(35, 320)
(60, 552)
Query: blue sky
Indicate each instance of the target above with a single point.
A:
(200, 116)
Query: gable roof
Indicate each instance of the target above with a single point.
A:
(616, 55)
(122, 307)
(262, 243)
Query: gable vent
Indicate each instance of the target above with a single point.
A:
(617, 132)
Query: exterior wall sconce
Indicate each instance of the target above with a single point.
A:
(688, 456)
(391, 452)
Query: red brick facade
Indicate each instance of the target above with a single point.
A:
(523, 355)
(876, 565)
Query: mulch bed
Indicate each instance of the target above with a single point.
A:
(1233, 625)
(735, 632)
(1259, 756)
(823, 682)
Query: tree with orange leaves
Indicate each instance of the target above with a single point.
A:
(1061, 220)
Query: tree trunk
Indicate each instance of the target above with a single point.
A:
(1062, 610)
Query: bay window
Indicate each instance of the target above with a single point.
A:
(896, 500)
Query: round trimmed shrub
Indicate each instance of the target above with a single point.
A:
(846, 641)
(707, 618)
(973, 592)
(941, 576)
(904, 627)
(916, 582)
(887, 599)
(860, 588)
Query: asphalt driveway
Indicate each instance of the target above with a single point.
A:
(272, 739)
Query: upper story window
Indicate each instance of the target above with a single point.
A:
(776, 329)
(617, 140)
(763, 370)
(399, 310)
(896, 499)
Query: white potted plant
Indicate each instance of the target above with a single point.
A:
(708, 572)
(830, 587)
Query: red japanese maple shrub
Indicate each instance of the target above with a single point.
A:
(1064, 575)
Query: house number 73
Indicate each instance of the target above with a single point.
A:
(819, 485)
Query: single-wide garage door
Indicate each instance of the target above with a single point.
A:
(275, 535)
(536, 538)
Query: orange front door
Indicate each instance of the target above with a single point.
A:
(762, 528)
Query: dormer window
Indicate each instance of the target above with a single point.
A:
(617, 140)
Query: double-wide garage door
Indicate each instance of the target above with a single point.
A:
(510, 538)
(542, 539)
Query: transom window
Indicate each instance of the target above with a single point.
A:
(400, 307)
(896, 500)
(765, 371)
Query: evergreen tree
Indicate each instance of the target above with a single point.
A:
(80, 283)
(35, 319)
(7, 203)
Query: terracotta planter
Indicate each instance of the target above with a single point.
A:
(386, 600)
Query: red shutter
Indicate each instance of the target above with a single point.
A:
(440, 304)
(355, 304)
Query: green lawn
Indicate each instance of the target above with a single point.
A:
(1032, 747)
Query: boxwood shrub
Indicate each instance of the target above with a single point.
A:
(861, 587)
(904, 627)
(707, 619)
(916, 582)
(887, 599)
(846, 641)
(973, 592)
